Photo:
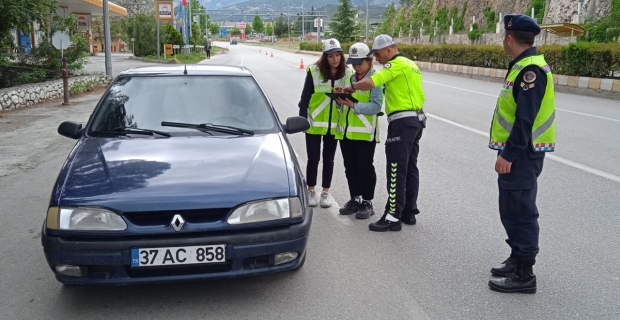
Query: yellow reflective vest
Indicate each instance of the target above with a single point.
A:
(543, 130)
(358, 126)
(403, 85)
(322, 112)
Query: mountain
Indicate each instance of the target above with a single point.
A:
(296, 4)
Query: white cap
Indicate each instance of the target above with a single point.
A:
(358, 53)
(381, 41)
(331, 46)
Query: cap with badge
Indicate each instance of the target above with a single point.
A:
(331, 46)
(381, 41)
(521, 22)
(358, 53)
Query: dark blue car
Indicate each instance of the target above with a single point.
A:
(181, 173)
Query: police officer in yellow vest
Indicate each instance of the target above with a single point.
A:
(404, 98)
(358, 133)
(329, 72)
(522, 131)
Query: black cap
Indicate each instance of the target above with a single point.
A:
(521, 22)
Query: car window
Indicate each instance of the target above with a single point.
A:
(145, 101)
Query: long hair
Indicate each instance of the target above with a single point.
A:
(325, 69)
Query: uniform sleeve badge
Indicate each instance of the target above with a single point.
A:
(529, 76)
(387, 65)
(527, 86)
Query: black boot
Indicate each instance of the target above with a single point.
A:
(350, 207)
(522, 280)
(408, 218)
(384, 225)
(365, 210)
(506, 268)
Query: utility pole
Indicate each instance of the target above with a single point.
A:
(367, 21)
(107, 40)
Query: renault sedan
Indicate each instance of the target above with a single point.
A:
(181, 173)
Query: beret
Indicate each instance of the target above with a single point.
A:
(521, 22)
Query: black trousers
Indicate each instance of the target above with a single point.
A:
(517, 204)
(313, 149)
(358, 157)
(208, 53)
(403, 177)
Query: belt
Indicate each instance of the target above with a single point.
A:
(402, 114)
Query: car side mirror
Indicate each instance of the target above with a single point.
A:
(296, 124)
(70, 129)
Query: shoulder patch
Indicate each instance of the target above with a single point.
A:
(529, 76)
(387, 65)
(527, 86)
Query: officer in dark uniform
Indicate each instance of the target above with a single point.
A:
(523, 129)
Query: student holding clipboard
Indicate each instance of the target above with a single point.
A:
(322, 112)
(358, 132)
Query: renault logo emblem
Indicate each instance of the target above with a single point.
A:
(177, 222)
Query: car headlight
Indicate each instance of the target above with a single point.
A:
(84, 219)
(267, 211)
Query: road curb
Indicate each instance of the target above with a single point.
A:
(596, 87)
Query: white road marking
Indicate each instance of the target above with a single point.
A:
(495, 96)
(242, 58)
(567, 162)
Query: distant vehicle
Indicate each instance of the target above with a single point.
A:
(169, 182)
(233, 41)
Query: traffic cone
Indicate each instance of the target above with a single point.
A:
(266, 53)
(272, 54)
(301, 66)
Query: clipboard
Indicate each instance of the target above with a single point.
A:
(343, 96)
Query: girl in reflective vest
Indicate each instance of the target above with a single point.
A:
(322, 112)
(358, 132)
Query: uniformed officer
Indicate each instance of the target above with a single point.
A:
(358, 133)
(523, 129)
(404, 98)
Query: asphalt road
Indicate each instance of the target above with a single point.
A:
(437, 269)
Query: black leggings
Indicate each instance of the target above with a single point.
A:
(313, 149)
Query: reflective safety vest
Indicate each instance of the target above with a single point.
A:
(403, 85)
(357, 126)
(322, 113)
(543, 130)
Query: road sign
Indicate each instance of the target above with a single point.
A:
(61, 40)
(240, 25)
(133, 39)
(223, 32)
(316, 22)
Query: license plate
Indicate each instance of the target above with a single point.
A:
(177, 256)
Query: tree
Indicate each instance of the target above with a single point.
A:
(257, 24)
(142, 27)
(387, 26)
(203, 18)
(197, 35)
(235, 31)
(343, 26)
(214, 28)
(248, 28)
(280, 27)
(17, 14)
(269, 29)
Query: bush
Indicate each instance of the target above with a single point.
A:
(584, 59)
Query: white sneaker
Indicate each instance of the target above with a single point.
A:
(326, 202)
(312, 198)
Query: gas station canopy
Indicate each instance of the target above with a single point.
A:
(92, 7)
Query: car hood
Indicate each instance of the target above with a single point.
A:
(178, 173)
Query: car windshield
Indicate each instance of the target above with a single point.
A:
(145, 102)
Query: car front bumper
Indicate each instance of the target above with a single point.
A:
(108, 262)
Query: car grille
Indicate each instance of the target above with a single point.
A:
(154, 218)
(178, 271)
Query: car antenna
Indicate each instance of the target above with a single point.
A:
(185, 71)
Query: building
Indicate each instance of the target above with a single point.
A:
(83, 9)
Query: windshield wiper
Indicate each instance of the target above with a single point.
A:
(206, 127)
(127, 130)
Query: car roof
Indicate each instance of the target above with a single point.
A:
(192, 69)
